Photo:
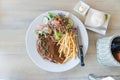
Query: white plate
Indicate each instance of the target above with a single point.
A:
(45, 64)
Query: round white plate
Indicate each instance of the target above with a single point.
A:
(43, 63)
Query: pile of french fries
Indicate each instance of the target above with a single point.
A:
(68, 45)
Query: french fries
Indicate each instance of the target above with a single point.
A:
(68, 45)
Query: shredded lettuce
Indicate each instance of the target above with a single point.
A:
(57, 35)
(51, 15)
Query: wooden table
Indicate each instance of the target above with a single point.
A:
(15, 17)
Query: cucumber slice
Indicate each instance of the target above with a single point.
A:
(45, 19)
(68, 26)
(71, 22)
(40, 32)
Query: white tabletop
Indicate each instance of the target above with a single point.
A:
(15, 17)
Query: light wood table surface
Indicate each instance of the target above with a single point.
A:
(15, 17)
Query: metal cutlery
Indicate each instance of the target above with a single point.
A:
(80, 48)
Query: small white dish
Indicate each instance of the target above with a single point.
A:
(81, 8)
(43, 63)
(98, 29)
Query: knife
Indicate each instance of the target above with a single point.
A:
(80, 48)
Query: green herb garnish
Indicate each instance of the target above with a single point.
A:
(106, 16)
